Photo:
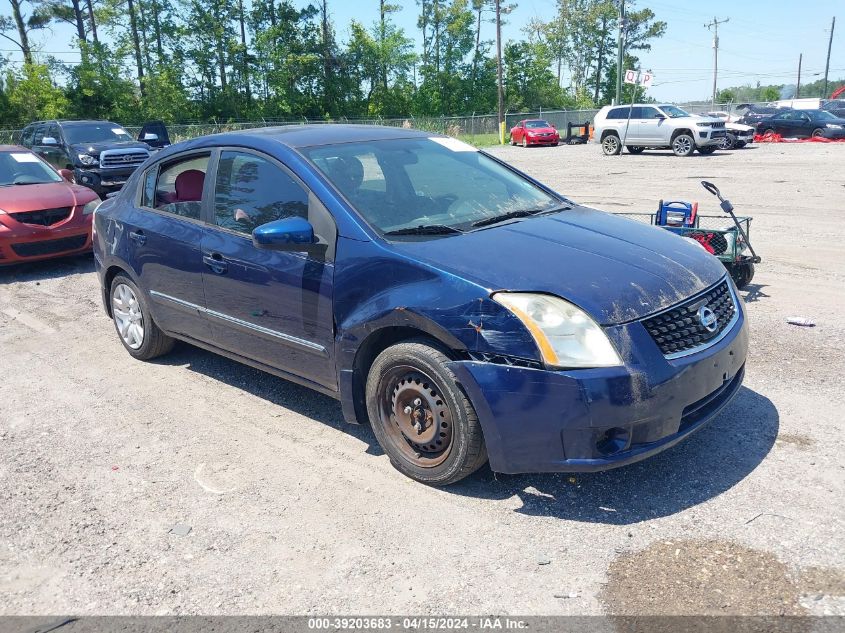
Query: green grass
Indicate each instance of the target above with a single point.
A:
(480, 140)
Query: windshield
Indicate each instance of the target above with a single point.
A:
(24, 168)
(673, 112)
(95, 133)
(409, 183)
(536, 124)
(821, 114)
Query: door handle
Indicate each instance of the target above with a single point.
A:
(216, 263)
(138, 236)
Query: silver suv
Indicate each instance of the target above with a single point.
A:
(656, 126)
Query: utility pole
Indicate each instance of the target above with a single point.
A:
(714, 26)
(798, 85)
(499, 72)
(827, 63)
(620, 50)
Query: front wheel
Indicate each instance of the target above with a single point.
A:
(139, 334)
(818, 132)
(420, 416)
(683, 145)
(525, 141)
(728, 141)
(611, 145)
(742, 274)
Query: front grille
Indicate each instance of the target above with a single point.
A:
(719, 125)
(45, 217)
(679, 329)
(116, 158)
(49, 247)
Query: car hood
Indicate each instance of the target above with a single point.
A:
(540, 130)
(616, 269)
(96, 148)
(738, 127)
(52, 195)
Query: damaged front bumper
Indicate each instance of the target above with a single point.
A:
(538, 420)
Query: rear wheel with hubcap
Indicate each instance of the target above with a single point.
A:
(420, 416)
(611, 145)
(683, 145)
(139, 334)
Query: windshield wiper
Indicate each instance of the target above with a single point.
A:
(522, 213)
(425, 229)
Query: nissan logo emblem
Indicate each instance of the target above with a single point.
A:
(708, 319)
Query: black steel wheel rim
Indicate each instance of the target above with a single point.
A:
(415, 417)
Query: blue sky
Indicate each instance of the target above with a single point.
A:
(761, 41)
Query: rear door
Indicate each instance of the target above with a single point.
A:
(164, 233)
(270, 306)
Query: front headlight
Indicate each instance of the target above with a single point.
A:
(566, 335)
(87, 159)
(90, 207)
(834, 126)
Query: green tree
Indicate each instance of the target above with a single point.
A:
(32, 95)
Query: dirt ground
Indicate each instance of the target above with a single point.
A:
(196, 485)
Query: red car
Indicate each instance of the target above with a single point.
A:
(43, 213)
(534, 132)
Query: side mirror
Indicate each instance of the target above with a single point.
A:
(49, 140)
(149, 136)
(67, 174)
(293, 234)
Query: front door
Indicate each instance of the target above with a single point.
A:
(164, 235)
(270, 306)
(651, 126)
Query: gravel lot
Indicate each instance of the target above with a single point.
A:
(292, 511)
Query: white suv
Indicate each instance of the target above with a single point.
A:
(656, 126)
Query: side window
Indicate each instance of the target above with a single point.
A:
(54, 132)
(26, 136)
(148, 188)
(178, 188)
(38, 134)
(251, 191)
(616, 113)
(648, 113)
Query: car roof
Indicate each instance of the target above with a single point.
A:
(72, 122)
(311, 135)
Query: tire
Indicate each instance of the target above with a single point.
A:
(742, 274)
(635, 149)
(683, 145)
(138, 333)
(817, 132)
(728, 142)
(769, 131)
(611, 145)
(447, 449)
(707, 149)
(513, 142)
(525, 141)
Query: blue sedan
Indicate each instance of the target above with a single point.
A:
(464, 310)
